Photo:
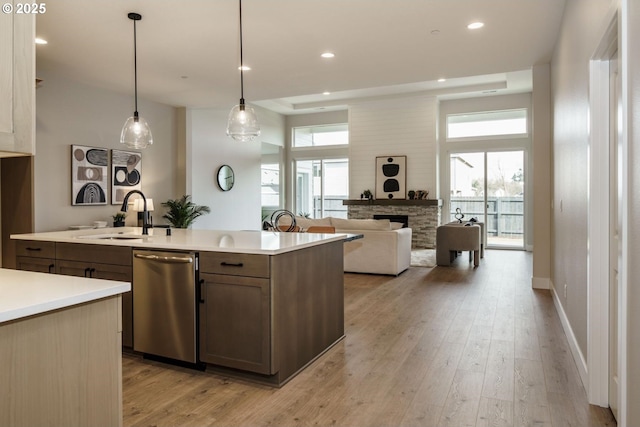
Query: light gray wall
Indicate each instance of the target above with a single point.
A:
(541, 169)
(578, 40)
(631, 47)
(69, 112)
(208, 148)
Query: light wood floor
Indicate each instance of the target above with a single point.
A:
(433, 347)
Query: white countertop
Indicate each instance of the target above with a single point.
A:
(24, 293)
(250, 242)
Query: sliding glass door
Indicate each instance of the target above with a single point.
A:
(489, 186)
(321, 186)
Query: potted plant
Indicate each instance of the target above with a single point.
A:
(367, 194)
(183, 212)
(118, 219)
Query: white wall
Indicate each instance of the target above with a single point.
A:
(208, 148)
(69, 112)
(631, 75)
(578, 40)
(395, 127)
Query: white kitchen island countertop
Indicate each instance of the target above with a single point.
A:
(248, 242)
(25, 293)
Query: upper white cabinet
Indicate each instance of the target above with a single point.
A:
(17, 83)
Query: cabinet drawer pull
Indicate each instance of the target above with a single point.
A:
(51, 267)
(34, 249)
(231, 264)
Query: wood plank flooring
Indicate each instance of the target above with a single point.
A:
(447, 346)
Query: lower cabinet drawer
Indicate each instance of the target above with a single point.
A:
(35, 249)
(233, 264)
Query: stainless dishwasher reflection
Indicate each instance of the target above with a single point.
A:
(164, 304)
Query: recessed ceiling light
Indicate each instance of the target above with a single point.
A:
(40, 41)
(244, 68)
(328, 55)
(326, 93)
(435, 32)
(442, 80)
(475, 25)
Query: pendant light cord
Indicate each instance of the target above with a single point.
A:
(135, 68)
(241, 62)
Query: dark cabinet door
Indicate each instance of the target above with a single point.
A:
(235, 322)
(122, 273)
(41, 265)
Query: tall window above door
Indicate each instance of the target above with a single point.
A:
(487, 124)
(321, 135)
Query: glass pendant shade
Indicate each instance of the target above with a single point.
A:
(136, 133)
(243, 123)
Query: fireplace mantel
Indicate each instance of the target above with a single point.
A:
(393, 202)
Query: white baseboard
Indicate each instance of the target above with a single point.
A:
(540, 283)
(578, 357)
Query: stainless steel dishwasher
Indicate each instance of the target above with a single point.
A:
(164, 304)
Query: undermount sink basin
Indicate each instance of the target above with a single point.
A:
(111, 237)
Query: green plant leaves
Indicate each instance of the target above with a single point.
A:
(183, 212)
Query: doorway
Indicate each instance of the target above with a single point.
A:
(615, 225)
(321, 186)
(489, 186)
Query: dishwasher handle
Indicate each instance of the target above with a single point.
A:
(166, 259)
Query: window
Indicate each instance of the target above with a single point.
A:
(270, 184)
(488, 123)
(321, 186)
(318, 136)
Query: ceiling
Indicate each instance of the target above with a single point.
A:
(188, 50)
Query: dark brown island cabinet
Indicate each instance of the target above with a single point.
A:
(262, 316)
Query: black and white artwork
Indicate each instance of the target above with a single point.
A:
(391, 177)
(126, 174)
(89, 169)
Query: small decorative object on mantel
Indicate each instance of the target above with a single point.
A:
(391, 177)
(422, 195)
(118, 219)
(411, 194)
(367, 195)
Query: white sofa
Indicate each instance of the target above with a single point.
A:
(385, 247)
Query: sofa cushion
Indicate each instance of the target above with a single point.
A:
(305, 223)
(396, 225)
(361, 224)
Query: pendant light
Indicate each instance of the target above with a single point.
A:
(136, 132)
(243, 123)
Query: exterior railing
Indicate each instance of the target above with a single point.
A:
(505, 215)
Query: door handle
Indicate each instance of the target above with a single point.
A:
(200, 283)
(34, 249)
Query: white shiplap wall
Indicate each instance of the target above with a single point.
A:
(394, 127)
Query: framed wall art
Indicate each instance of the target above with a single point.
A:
(391, 177)
(126, 174)
(89, 169)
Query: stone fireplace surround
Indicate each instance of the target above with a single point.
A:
(424, 216)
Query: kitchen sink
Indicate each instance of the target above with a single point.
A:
(111, 237)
